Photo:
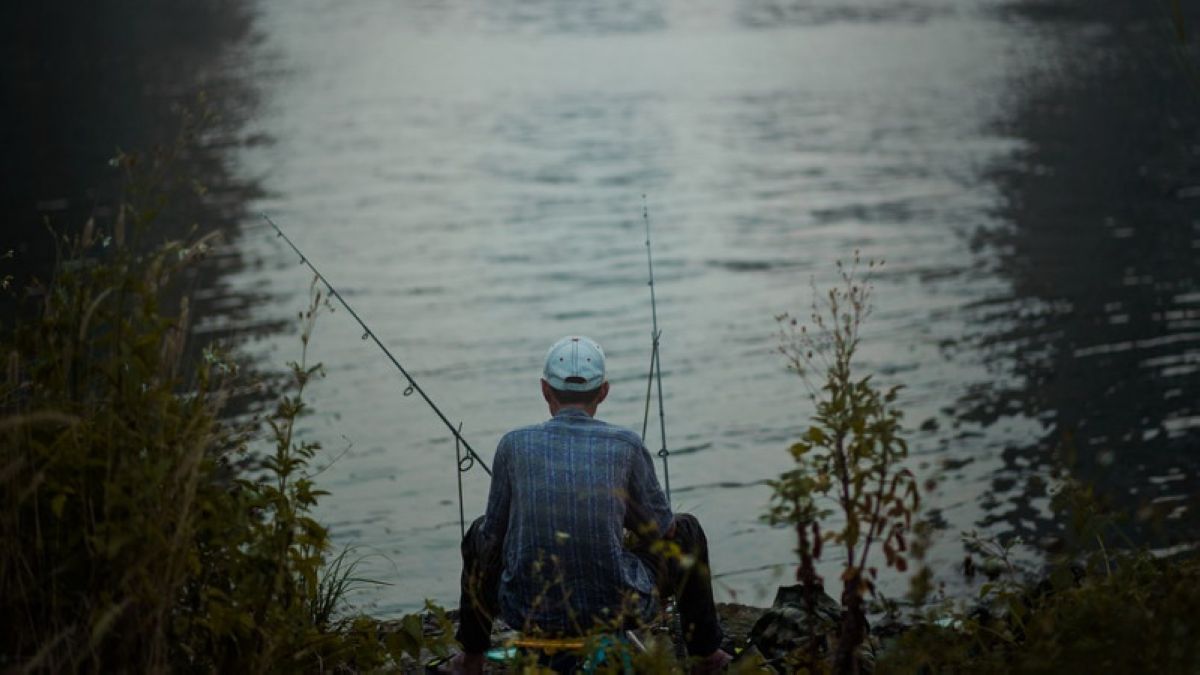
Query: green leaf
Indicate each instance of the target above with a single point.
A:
(57, 503)
(816, 436)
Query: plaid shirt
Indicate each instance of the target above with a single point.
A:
(561, 493)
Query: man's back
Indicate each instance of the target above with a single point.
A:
(548, 555)
(562, 492)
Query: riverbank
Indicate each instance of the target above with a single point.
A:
(1126, 613)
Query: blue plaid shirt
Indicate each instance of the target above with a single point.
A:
(561, 493)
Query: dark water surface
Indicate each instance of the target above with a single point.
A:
(81, 83)
(471, 176)
(1099, 332)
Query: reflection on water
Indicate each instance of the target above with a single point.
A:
(1099, 334)
(471, 178)
(84, 81)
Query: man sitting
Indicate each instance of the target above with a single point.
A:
(550, 555)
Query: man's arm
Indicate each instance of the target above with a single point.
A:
(495, 522)
(647, 500)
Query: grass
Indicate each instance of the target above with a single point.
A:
(142, 532)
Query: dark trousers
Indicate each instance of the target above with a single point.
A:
(690, 585)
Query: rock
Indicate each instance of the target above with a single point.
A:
(783, 634)
(788, 626)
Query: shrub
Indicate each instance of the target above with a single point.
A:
(1092, 610)
(142, 532)
(851, 455)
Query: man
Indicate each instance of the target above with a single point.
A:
(549, 555)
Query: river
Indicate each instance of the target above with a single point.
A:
(471, 177)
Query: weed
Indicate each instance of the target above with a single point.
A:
(851, 455)
(142, 532)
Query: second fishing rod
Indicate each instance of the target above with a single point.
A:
(655, 374)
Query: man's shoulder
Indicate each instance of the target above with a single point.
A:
(594, 427)
(520, 432)
(618, 433)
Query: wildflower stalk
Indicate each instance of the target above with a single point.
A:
(853, 453)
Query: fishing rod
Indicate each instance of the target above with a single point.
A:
(674, 619)
(655, 362)
(464, 463)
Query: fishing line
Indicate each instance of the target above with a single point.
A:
(412, 383)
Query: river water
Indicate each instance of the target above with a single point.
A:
(471, 177)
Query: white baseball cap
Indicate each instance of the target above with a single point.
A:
(575, 363)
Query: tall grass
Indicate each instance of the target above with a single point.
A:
(141, 532)
(108, 463)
